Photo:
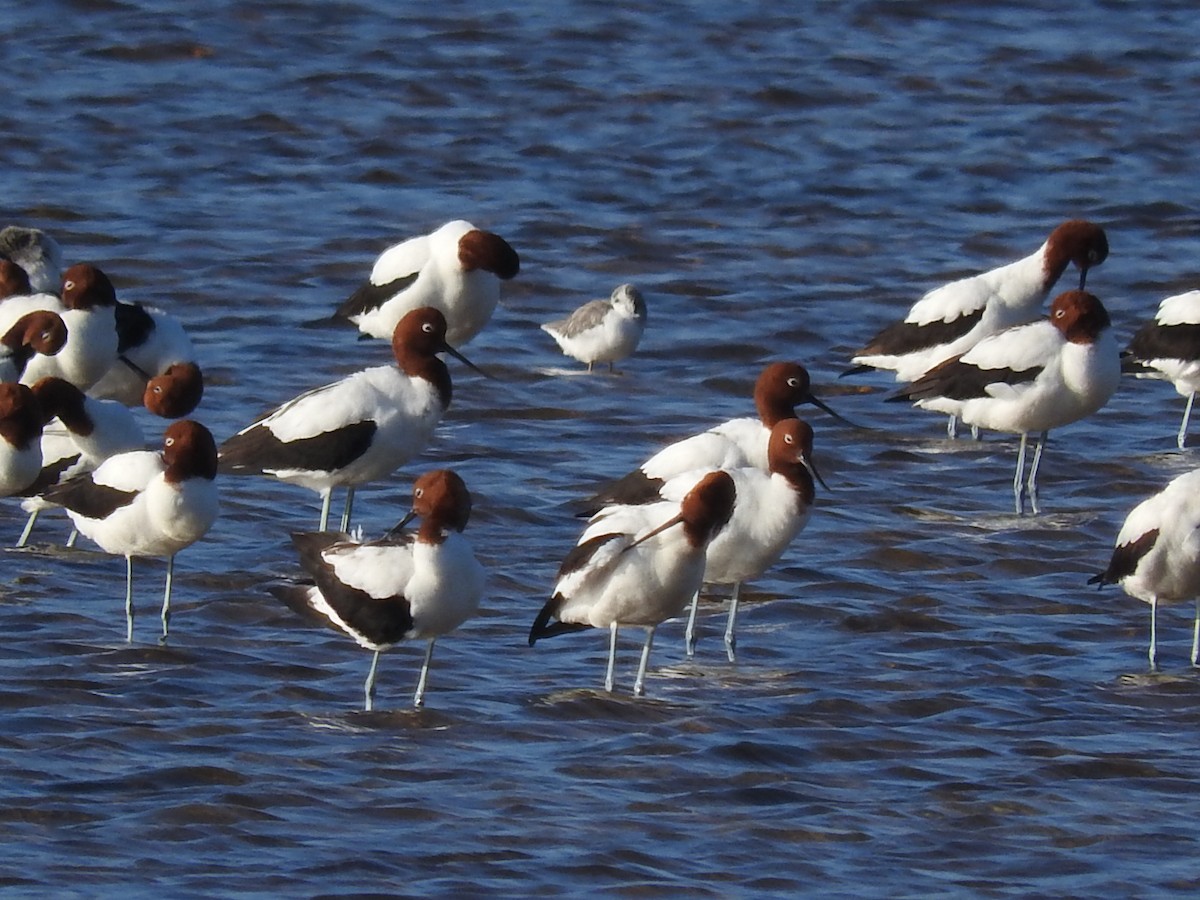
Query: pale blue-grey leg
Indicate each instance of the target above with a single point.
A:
(974, 432)
(347, 510)
(1019, 478)
(952, 427)
(1153, 634)
(639, 684)
(1196, 634)
(326, 499)
(612, 657)
(24, 538)
(689, 633)
(129, 599)
(419, 697)
(1033, 470)
(166, 607)
(72, 537)
(730, 637)
(1183, 426)
(369, 687)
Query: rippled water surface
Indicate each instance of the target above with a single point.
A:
(929, 700)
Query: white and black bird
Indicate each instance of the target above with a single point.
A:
(602, 331)
(413, 586)
(1029, 379)
(150, 342)
(356, 430)
(951, 319)
(772, 508)
(456, 269)
(79, 432)
(148, 503)
(1168, 347)
(87, 306)
(637, 566)
(1157, 554)
(779, 389)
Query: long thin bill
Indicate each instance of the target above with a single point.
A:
(812, 470)
(674, 520)
(822, 405)
(466, 362)
(399, 526)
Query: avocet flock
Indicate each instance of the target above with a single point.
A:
(717, 508)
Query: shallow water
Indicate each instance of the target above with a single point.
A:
(928, 700)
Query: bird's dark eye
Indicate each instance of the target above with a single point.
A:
(427, 328)
(169, 442)
(68, 285)
(793, 382)
(1059, 313)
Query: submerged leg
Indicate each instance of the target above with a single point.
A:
(1181, 440)
(369, 687)
(1196, 633)
(166, 607)
(24, 538)
(349, 507)
(1033, 470)
(326, 498)
(952, 427)
(689, 633)
(419, 697)
(72, 537)
(1153, 634)
(639, 684)
(129, 599)
(730, 638)
(612, 656)
(1019, 478)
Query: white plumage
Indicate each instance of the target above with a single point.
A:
(80, 433)
(1030, 378)
(456, 269)
(414, 587)
(983, 304)
(1168, 347)
(1157, 554)
(20, 433)
(951, 319)
(86, 306)
(146, 503)
(358, 429)
(780, 387)
(637, 565)
(772, 507)
(602, 330)
(150, 342)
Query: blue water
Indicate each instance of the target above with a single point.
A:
(928, 701)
